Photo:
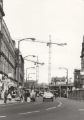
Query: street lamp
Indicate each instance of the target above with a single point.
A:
(29, 55)
(66, 78)
(36, 63)
(37, 70)
(37, 66)
(32, 39)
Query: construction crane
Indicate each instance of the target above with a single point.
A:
(49, 44)
(35, 62)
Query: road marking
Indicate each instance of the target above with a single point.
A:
(2, 116)
(60, 103)
(29, 112)
(50, 108)
(81, 110)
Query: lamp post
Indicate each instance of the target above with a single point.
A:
(29, 55)
(32, 39)
(66, 78)
(37, 70)
(37, 65)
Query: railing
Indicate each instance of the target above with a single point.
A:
(77, 94)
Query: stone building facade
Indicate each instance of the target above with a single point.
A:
(77, 78)
(82, 55)
(8, 57)
(79, 74)
(21, 68)
(82, 63)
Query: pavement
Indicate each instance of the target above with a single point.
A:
(16, 100)
(38, 100)
(8, 102)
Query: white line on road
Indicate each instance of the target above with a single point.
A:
(50, 108)
(2, 116)
(81, 110)
(60, 103)
(29, 112)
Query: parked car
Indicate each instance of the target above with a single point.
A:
(48, 96)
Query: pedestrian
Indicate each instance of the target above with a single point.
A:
(9, 97)
(33, 96)
(25, 96)
(55, 94)
(28, 96)
(5, 96)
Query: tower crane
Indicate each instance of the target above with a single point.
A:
(35, 62)
(49, 44)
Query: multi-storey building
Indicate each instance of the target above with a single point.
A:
(82, 63)
(82, 55)
(9, 59)
(7, 56)
(1, 14)
(20, 72)
(77, 78)
(79, 74)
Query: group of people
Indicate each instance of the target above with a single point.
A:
(24, 95)
(29, 95)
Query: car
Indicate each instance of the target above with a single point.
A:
(48, 96)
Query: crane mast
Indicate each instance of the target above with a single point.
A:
(49, 60)
(49, 44)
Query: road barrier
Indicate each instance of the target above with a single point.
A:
(77, 94)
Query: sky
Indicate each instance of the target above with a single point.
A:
(62, 19)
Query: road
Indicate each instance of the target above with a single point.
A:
(60, 109)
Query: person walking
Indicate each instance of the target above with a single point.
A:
(9, 97)
(28, 96)
(5, 96)
(25, 96)
(33, 95)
